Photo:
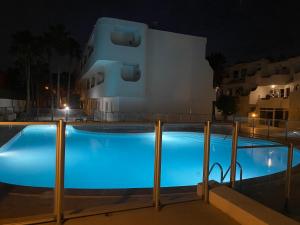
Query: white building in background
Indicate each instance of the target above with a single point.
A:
(9, 108)
(271, 89)
(130, 70)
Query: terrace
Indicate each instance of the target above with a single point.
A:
(178, 204)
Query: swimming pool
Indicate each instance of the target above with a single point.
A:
(126, 160)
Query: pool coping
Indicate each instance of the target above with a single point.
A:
(135, 191)
(101, 192)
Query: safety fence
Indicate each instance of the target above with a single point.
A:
(71, 190)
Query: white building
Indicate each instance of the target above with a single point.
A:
(271, 89)
(130, 70)
(9, 108)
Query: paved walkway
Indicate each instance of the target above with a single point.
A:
(188, 213)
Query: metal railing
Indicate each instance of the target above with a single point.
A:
(205, 178)
(235, 133)
(58, 213)
(157, 164)
(286, 131)
(220, 168)
(139, 116)
(227, 171)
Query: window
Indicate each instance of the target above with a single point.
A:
(239, 91)
(287, 93)
(243, 73)
(281, 93)
(235, 74)
(100, 78)
(90, 50)
(130, 72)
(88, 84)
(93, 82)
(126, 37)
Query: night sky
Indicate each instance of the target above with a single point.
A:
(240, 29)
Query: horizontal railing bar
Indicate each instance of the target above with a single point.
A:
(127, 122)
(79, 123)
(33, 221)
(261, 146)
(184, 122)
(12, 123)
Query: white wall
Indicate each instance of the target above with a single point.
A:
(175, 76)
(179, 79)
(13, 105)
(113, 56)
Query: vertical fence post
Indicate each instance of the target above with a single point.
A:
(253, 127)
(234, 154)
(157, 164)
(286, 130)
(288, 176)
(205, 190)
(268, 128)
(60, 167)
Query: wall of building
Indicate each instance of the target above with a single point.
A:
(10, 107)
(294, 109)
(179, 79)
(173, 74)
(271, 87)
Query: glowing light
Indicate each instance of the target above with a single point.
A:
(253, 115)
(8, 154)
(46, 88)
(67, 108)
(269, 162)
(273, 86)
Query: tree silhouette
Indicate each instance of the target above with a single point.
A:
(217, 61)
(227, 105)
(26, 51)
(61, 49)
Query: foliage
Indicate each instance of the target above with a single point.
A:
(35, 54)
(217, 62)
(227, 105)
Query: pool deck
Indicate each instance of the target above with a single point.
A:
(177, 208)
(8, 132)
(269, 191)
(193, 212)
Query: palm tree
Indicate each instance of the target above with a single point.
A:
(57, 40)
(217, 61)
(62, 50)
(25, 51)
(74, 56)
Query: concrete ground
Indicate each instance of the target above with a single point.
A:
(270, 191)
(177, 208)
(188, 213)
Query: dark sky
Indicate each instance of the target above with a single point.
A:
(240, 29)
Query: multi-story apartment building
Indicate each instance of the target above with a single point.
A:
(268, 88)
(128, 68)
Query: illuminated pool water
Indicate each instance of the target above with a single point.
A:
(126, 160)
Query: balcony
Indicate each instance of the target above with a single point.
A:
(273, 103)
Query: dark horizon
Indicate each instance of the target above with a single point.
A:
(240, 29)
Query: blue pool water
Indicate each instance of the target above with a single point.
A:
(126, 160)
